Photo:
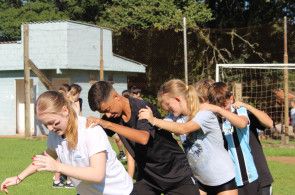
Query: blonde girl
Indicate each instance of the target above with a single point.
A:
(204, 148)
(86, 155)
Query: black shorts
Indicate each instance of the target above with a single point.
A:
(230, 185)
(190, 187)
(250, 188)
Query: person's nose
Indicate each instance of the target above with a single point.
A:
(108, 115)
(50, 127)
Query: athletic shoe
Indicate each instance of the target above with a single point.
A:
(121, 156)
(69, 185)
(58, 185)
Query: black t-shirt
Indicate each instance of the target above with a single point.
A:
(161, 163)
(264, 174)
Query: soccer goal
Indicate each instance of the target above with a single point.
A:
(260, 85)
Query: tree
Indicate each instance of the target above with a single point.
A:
(12, 15)
(160, 14)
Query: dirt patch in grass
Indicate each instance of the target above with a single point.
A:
(282, 159)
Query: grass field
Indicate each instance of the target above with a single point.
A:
(16, 154)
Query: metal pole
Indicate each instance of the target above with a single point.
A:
(217, 73)
(27, 82)
(185, 51)
(101, 55)
(286, 87)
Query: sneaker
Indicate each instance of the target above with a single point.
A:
(69, 185)
(58, 185)
(121, 156)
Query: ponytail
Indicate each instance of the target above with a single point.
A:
(176, 87)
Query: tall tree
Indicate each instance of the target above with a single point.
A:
(12, 15)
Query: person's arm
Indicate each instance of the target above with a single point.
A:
(130, 164)
(263, 118)
(139, 136)
(31, 169)
(173, 127)
(94, 173)
(236, 120)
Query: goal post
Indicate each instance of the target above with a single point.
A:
(262, 86)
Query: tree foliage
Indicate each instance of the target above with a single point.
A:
(13, 14)
(160, 14)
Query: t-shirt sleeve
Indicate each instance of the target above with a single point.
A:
(255, 123)
(242, 111)
(109, 132)
(169, 117)
(95, 140)
(51, 141)
(204, 119)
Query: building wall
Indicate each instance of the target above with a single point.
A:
(48, 45)
(11, 56)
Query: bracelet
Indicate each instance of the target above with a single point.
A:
(154, 121)
(17, 177)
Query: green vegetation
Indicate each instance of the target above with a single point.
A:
(16, 154)
(284, 177)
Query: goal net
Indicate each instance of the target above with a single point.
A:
(262, 86)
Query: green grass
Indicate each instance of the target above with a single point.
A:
(16, 154)
(284, 178)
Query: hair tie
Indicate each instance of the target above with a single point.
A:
(186, 87)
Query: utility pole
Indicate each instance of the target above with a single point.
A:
(27, 82)
(101, 55)
(185, 51)
(285, 138)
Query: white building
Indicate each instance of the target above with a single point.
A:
(66, 52)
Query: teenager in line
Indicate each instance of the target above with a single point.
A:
(162, 166)
(235, 127)
(258, 120)
(86, 155)
(203, 143)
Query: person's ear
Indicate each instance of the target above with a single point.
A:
(116, 96)
(65, 111)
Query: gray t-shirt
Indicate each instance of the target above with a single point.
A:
(209, 160)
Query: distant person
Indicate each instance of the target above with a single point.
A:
(127, 93)
(136, 91)
(75, 93)
(66, 88)
(293, 115)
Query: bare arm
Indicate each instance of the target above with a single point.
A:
(236, 120)
(173, 127)
(31, 169)
(130, 164)
(263, 118)
(94, 173)
(138, 136)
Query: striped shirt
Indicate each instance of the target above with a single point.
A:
(239, 149)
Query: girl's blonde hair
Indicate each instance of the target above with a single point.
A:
(176, 88)
(52, 102)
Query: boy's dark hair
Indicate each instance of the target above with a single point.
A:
(135, 90)
(218, 94)
(99, 93)
(65, 87)
(127, 93)
(77, 87)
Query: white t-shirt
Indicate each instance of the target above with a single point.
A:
(91, 141)
(210, 162)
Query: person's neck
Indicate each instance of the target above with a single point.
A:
(126, 111)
